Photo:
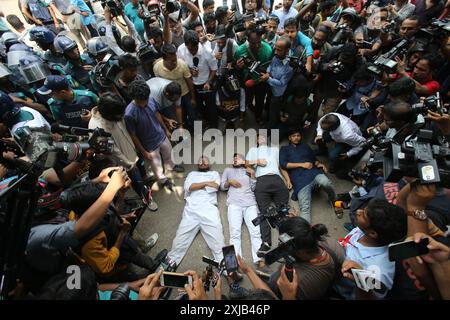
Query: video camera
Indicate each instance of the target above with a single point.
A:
(343, 33)
(285, 250)
(296, 62)
(149, 15)
(43, 152)
(390, 27)
(415, 157)
(436, 32)
(274, 216)
(106, 71)
(431, 103)
(116, 6)
(376, 139)
(386, 61)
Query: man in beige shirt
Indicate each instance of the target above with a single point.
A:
(172, 68)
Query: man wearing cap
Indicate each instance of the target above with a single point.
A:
(69, 107)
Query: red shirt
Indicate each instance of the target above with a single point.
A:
(432, 85)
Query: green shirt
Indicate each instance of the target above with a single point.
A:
(264, 55)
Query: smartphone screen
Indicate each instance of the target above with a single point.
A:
(407, 249)
(174, 280)
(229, 255)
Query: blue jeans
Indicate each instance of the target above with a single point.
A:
(304, 195)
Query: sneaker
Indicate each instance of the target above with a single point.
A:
(178, 168)
(150, 242)
(168, 184)
(349, 226)
(263, 249)
(148, 200)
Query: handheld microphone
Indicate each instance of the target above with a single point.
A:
(195, 60)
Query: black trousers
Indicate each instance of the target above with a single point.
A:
(206, 104)
(274, 112)
(269, 188)
(259, 93)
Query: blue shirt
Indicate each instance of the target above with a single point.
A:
(283, 16)
(143, 123)
(3, 25)
(280, 74)
(131, 12)
(80, 4)
(300, 177)
(305, 42)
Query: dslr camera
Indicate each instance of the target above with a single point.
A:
(274, 216)
(431, 103)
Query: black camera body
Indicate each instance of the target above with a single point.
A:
(417, 158)
(343, 33)
(431, 103)
(274, 216)
(336, 67)
(386, 62)
(43, 152)
(148, 15)
(107, 71)
(285, 250)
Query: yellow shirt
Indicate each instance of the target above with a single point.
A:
(179, 74)
(96, 254)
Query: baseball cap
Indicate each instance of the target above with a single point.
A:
(54, 83)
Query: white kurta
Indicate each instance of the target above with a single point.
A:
(199, 214)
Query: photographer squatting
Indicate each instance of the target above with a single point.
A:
(91, 92)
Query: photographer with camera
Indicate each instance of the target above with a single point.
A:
(257, 51)
(68, 106)
(305, 172)
(109, 115)
(315, 265)
(347, 137)
(299, 42)
(422, 75)
(108, 249)
(271, 35)
(339, 66)
(51, 237)
(203, 68)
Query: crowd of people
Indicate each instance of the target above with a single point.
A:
(92, 91)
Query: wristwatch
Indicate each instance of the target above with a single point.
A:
(418, 214)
